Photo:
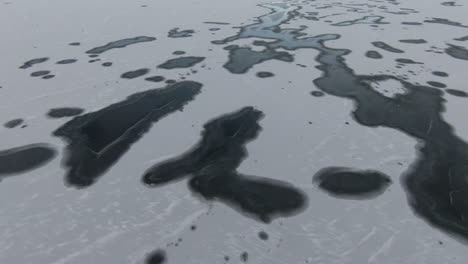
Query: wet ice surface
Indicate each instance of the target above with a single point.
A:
(400, 115)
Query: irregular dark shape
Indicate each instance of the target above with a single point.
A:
(243, 59)
(64, 112)
(155, 79)
(317, 93)
(93, 55)
(119, 44)
(212, 164)
(373, 20)
(176, 33)
(440, 74)
(32, 62)
(435, 185)
(445, 22)
(24, 158)
(264, 74)
(448, 3)
(39, 73)
(244, 256)
(50, 76)
(465, 38)
(92, 61)
(457, 52)
(74, 44)
(182, 62)
(214, 29)
(170, 81)
(436, 84)
(107, 64)
(455, 92)
(67, 61)
(407, 61)
(134, 74)
(13, 123)
(413, 41)
(385, 46)
(412, 23)
(156, 257)
(263, 235)
(373, 54)
(97, 140)
(352, 184)
(178, 52)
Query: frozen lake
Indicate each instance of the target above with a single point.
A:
(328, 132)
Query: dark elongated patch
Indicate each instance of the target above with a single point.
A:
(33, 62)
(182, 62)
(134, 74)
(13, 123)
(64, 112)
(177, 33)
(122, 43)
(444, 21)
(212, 163)
(351, 183)
(98, 139)
(373, 54)
(386, 47)
(413, 41)
(24, 158)
(458, 52)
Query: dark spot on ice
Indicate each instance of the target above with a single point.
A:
(317, 93)
(176, 33)
(119, 44)
(107, 64)
(93, 61)
(449, 4)
(407, 61)
(212, 165)
(32, 62)
(25, 158)
(216, 23)
(170, 81)
(214, 29)
(74, 44)
(182, 62)
(413, 41)
(244, 256)
(67, 61)
(226, 258)
(93, 55)
(64, 112)
(436, 84)
(373, 54)
(440, 74)
(155, 79)
(134, 74)
(39, 73)
(457, 52)
(412, 23)
(50, 76)
(352, 184)
(193, 227)
(263, 235)
(385, 46)
(445, 22)
(156, 257)
(264, 74)
(178, 52)
(97, 140)
(13, 123)
(455, 92)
